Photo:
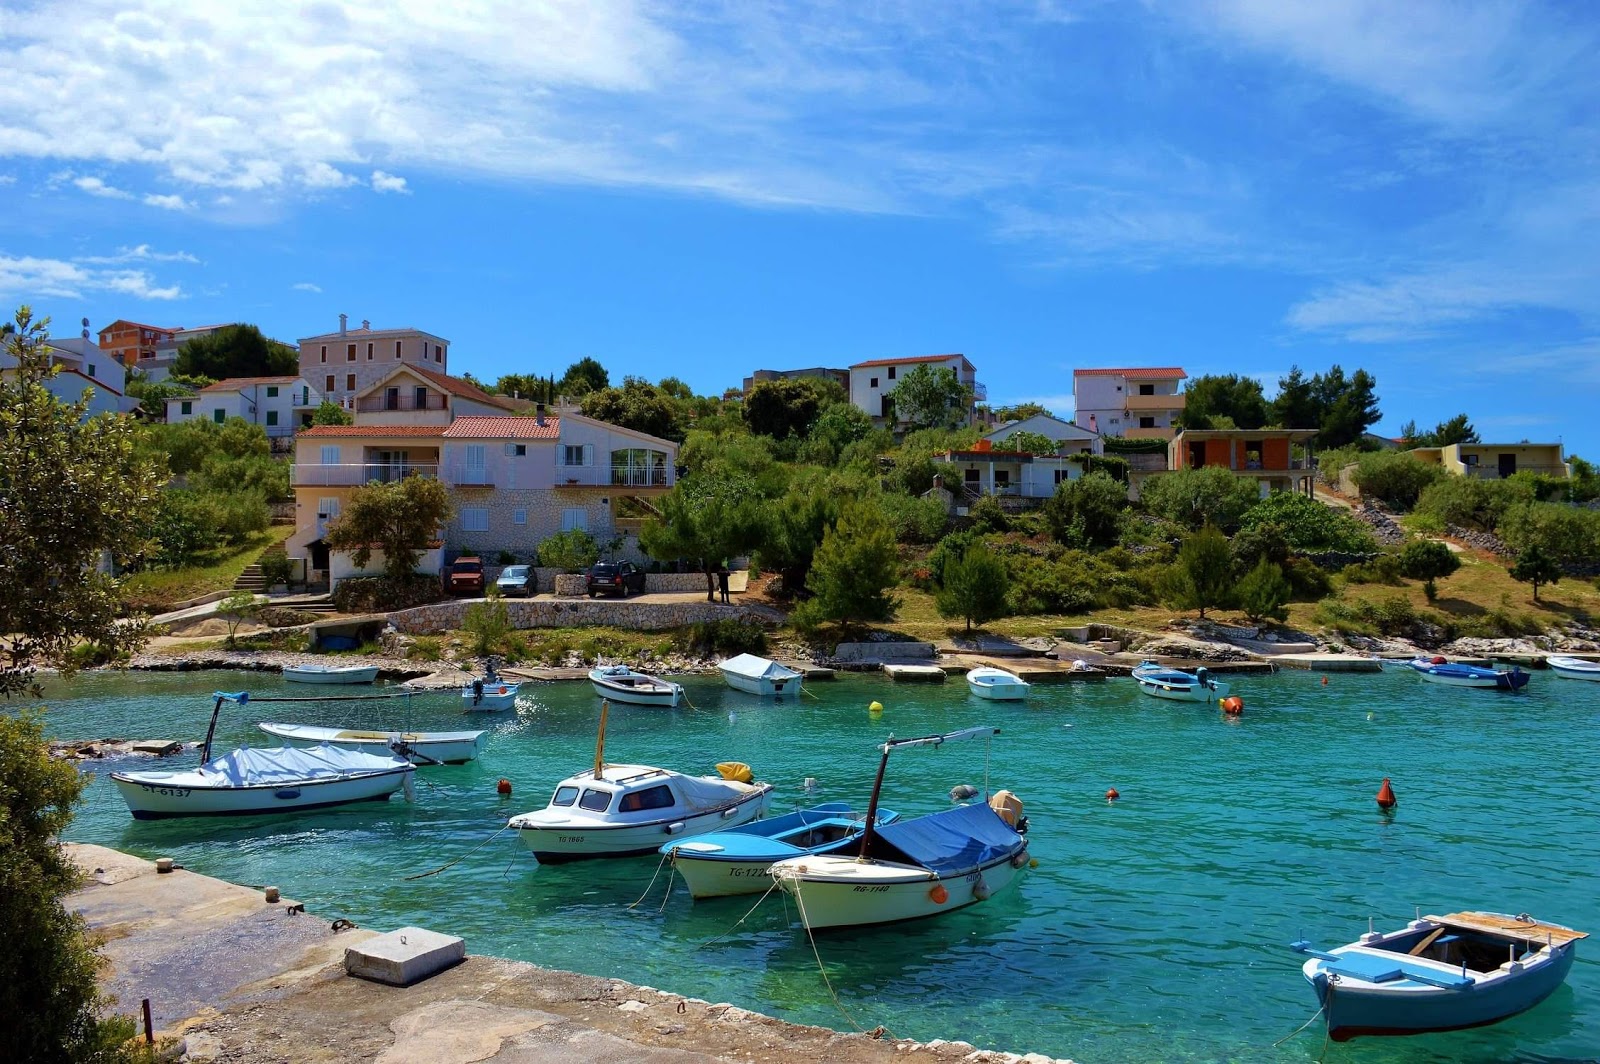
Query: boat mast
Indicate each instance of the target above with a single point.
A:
(600, 740)
(872, 803)
(216, 711)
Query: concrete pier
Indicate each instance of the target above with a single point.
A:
(1329, 662)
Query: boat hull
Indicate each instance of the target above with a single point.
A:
(495, 698)
(150, 798)
(555, 844)
(1179, 693)
(725, 863)
(1574, 668)
(294, 674)
(841, 892)
(456, 749)
(764, 687)
(666, 695)
(997, 685)
(1449, 675)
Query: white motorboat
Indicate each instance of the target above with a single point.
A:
(491, 694)
(423, 748)
(1177, 685)
(330, 673)
(1573, 668)
(913, 868)
(997, 685)
(622, 684)
(760, 676)
(624, 810)
(249, 781)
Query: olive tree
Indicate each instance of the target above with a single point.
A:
(400, 518)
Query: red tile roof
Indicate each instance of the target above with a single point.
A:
(233, 384)
(373, 430)
(141, 325)
(1141, 371)
(458, 387)
(503, 428)
(904, 361)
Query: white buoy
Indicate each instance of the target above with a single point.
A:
(732, 717)
(811, 783)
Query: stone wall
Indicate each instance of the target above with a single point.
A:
(662, 582)
(545, 613)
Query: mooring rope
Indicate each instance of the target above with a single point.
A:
(741, 919)
(801, 903)
(1302, 1027)
(646, 894)
(458, 860)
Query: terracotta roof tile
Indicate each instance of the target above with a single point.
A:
(233, 384)
(373, 430)
(458, 387)
(1139, 371)
(904, 361)
(503, 428)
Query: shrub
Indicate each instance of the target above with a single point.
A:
(1086, 512)
(1567, 534)
(1308, 525)
(727, 636)
(1471, 502)
(1383, 568)
(1257, 542)
(949, 549)
(1308, 581)
(276, 569)
(1264, 592)
(1059, 588)
(379, 594)
(488, 623)
(1396, 477)
(1194, 498)
(571, 551)
(914, 519)
(1392, 616)
(1202, 576)
(988, 515)
(1332, 462)
(425, 648)
(505, 557)
(284, 617)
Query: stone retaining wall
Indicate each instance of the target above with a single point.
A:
(544, 613)
(664, 582)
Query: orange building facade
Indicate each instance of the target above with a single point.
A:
(129, 341)
(1267, 455)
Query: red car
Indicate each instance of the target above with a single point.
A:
(465, 577)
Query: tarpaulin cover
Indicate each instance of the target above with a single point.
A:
(954, 840)
(288, 764)
(756, 668)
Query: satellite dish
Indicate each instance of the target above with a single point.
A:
(85, 323)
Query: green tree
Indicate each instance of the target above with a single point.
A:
(709, 516)
(235, 610)
(524, 386)
(1202, 577)
(236, 351)
(1020, 412)
(1568, 534)
(1457, 430)
(571, 551)
(1028, 443)
(789, 406)
(330, 413)
(1427, 560)
(488, 623)
(1087, 512)
(1208, 399)
(1536, 567)
(1198, 497)
(931, 397)
(974, 586)
(1349, 407)
(582, 377)
(1264, 593)
(1396, 477)
(1295, 406)
(834, 430)
(73, 489)
(400, 518)
(637, 405)
(853, 570)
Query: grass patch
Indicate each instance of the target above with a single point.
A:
(158, 591)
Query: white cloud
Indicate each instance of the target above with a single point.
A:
(306, 286)
(7, 179)
(166, 203)
(382, 182)
(29, 277)
(321, 175)
(94, 186)
(139, 253)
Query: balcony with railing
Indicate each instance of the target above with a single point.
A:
(625, 476)
(980, 391)
(377, 404)
(1148, 434)
(1133, 403)
(354, 474)
(1492, 472)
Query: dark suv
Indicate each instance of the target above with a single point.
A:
(615, 578)
(465, 577)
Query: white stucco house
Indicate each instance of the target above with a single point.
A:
(1069, 438)
(280, 405)
(82, 367)
(872, 383)
(1138, 403)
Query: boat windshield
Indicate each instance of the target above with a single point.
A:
(564, 796)
(649, 798)
(595, 801)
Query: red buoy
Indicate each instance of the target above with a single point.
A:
(1112, 795)
(1233, 705)
(1324, 681)
(503, 787)
(1386, 798)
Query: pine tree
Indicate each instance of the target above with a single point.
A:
(854, 568)
(1536, 567)
(974, 586)
(1264, 592)
(1202, 578)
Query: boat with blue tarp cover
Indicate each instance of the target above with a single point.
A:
(1459, 674)
(736, 861)
(1439, 973)
(913, 868)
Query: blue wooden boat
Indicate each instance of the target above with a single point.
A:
(735, 861)
(1180, 686)
(1439, 973)
(1457, 674)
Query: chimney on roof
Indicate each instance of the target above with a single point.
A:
(1092, 426)
(366, 326)
(344, 319)
(538, 414)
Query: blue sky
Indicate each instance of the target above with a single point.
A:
(1233, 186)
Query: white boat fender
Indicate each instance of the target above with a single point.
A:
(962, 791)
(980, 889)
(409, 787)
(1019, 858)
(673, 828)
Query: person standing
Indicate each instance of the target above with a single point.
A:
(722, 581)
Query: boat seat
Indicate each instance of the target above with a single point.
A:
(1372, 969)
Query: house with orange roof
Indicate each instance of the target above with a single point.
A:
(1136, 403)
(130, 341)
(280, 405)
(408, 394)
(872, 383)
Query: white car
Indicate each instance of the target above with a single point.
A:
(518, 580)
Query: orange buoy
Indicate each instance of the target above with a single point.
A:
(938, 894)
(1324, 681)
(1112, 795)
(1386, 798)
(503, 787)
(1233, 705)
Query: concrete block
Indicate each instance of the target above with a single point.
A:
(403, 957)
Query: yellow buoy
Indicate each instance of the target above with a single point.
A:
(875, 708)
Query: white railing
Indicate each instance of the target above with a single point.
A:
(348, 474)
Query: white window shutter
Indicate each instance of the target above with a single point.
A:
(588, 454)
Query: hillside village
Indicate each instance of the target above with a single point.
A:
(887, 496)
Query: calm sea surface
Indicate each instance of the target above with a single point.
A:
(1153, 929)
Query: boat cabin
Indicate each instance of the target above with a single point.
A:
(621, 789)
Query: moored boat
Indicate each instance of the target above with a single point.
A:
(249, 781)
(914, 868)
(1571, 668)
(997, 685)
(1177, 685)
(425, 748)
(760, 676)
(490, 694)
(1458, 674)
(1439, 973)
(736, 860)
(330, 673)
(622, 684)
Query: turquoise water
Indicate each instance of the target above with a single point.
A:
(1152, 930)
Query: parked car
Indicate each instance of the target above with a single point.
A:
(518, 580)
(615, 578)
(465, 577)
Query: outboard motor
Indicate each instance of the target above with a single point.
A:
(477, 691)
(1203, 676)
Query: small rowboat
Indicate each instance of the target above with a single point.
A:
(330, 673)
(621, 684)
(736, 860)
(1573, 668)
(489, 695)
(1177, 685)
(1458, 674)
(423, 748)
(997, 685)
(760, 676)
(1439, 973)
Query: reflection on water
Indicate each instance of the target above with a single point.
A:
(1154, 928)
